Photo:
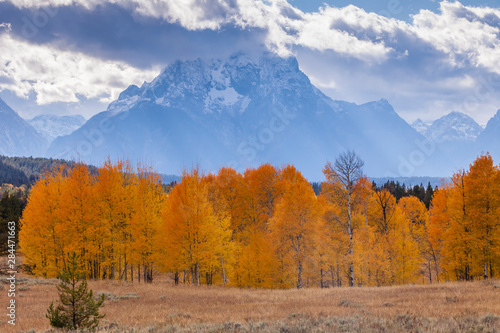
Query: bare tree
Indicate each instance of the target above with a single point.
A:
(344, 174)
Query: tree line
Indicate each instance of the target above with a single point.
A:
(265, 227)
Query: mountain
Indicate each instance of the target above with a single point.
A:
(17, 137)
(243, 111)
(454, 127)
(420, 126)
(455, 135)
(489, 139)
(51, 126)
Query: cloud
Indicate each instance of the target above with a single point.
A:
(5, 26)
(470, 36)
(427, 67)
(61, 76)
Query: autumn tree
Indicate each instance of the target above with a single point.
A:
(145, 222)
(193, 232)
(296, 220)
(258, 266)
(416, 216)
(42, 234)
(464, 222)
(341, 181)
(482, 199)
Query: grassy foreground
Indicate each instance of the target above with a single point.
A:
(162, 307)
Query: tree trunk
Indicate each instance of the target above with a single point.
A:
(299, 275)
(223, 272)
(351, 245)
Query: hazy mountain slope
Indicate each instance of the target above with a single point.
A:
(51, 126)
(489, 139)
(242, 112)
(17, 137)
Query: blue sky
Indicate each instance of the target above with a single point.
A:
(400, 9)
(427, 58)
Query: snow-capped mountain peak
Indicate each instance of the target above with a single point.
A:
(52, 126)
(420, 126)
(455, 126)
(240, 111)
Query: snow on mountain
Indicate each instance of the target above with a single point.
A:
(420, 126)
(51, 126)
(244, 111)
(17, 137)
(455, 126)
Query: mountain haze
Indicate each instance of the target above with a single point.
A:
(51, 126)
(244, 111)
(17, 137)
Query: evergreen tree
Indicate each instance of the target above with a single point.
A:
(77, 307)
(428, 195)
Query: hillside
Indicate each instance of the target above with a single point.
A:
(25, 170)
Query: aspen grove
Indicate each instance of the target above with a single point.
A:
(263, 228)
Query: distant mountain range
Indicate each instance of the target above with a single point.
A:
(244, 111)
(51, 126)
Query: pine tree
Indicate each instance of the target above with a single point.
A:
(77, 307)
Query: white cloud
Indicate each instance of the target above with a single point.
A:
(463, 33)
(425, 66)
(286, 25)
(5, 26)
(60, 76)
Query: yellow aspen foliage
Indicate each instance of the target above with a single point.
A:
(371, 260)
(232, 188)
(296, 221)
(405, 253)
(114, 209)
(77, 212)
(223, 258)
(263, 192)
(483, 207)
(464, 223)
(258, 265)
(145, 221)
(42, 234)
(417, 217)
(193, 233)
(381, 210)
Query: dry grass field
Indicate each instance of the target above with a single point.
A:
(163, 307)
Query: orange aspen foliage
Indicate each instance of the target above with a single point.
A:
(381, 210)
(258, 266)
(464, 223)
(483, 206)
(417, 217)
(296, 222)
(194, 235)
(263, 192)
(404, 255)
(370, 258)
(114, 209)
(78, 214)
(41, 238)
(146, 220)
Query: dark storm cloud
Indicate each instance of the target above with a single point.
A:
(114, 33)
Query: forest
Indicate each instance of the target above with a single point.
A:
(264, 228)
